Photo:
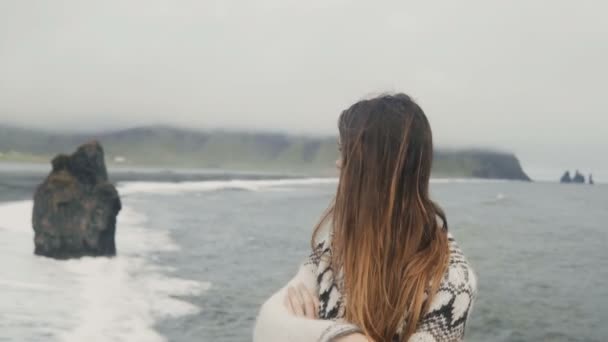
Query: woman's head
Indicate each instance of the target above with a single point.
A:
(385, 139)
(388, 236)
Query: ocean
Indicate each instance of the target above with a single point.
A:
(198, 254)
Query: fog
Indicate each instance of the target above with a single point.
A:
(525, 76)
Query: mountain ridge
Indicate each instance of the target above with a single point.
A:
(160, 145)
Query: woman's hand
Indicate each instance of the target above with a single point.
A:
(301, 302)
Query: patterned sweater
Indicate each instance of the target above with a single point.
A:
(445, 321)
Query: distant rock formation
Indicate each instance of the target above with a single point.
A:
(591, 182)
(478, 164)
(75, 208)
(578, 178)
(566, 178)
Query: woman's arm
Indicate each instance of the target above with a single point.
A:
(276, 324)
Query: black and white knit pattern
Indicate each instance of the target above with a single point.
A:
(448, 313)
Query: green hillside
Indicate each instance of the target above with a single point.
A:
(162, 146)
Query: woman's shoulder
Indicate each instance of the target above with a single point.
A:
(459, 273)
(459, 277)
(459, 269)
(321, 248)
(451, 305)
(459, 284)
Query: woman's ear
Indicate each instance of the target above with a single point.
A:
(339, 163)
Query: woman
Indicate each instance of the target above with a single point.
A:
(387, 270)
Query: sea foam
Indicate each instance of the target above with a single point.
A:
(88, 299)
(129, 188)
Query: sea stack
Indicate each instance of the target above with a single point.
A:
(578, 178)
(591, 182)
(566, 178)
(75, 208)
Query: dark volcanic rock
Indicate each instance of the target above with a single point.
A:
(578, 178)
(75, 208)
(566, 178)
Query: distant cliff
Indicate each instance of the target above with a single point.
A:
(479, 164)
(167, 146)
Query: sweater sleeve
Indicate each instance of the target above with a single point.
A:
(276, 324)
(451, 306)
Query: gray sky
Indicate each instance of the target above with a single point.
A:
(521, 75)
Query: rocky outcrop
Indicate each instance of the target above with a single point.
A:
(75, 208)
(566, 178)
(578, 178)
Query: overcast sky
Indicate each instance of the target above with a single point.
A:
(527, 76)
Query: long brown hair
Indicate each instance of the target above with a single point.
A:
(388, 238)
